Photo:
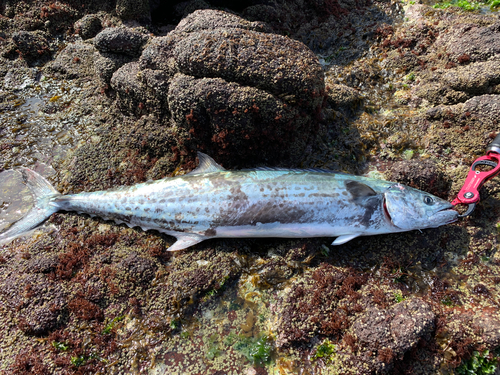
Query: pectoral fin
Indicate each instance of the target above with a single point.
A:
(184, 240)
(343, 239)
(359, 191)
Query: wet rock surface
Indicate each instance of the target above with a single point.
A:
(341, 85)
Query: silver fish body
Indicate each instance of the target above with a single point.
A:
(211, 202)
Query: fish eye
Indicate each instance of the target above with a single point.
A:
(428, 200)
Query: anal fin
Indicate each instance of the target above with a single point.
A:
(345, 238)
(184, 240)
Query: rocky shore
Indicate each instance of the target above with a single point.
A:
(98, 94)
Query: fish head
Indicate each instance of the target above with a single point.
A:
(409, 208)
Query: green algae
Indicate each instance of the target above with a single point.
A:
(257, 350)
(61, 346)
(464, 4)
(325, 350)
(112, 324)
(398, 296)
(481, 363)
(468, 5)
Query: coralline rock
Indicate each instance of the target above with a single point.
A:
(120, 40)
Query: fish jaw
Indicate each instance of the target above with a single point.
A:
(443, 217)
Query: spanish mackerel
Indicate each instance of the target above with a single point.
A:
(211, 202)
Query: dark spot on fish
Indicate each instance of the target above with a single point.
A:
(128, 209)
(158, 210)
(162, 201)
(210, 232)
(124, 218)
(147, 209)
(325, 195)
(371, 205)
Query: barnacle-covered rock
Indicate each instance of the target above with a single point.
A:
(477, 42)
(223, 116)
(420, 174)
(385, 335)
(39, 304)
(133, 10)
(88, 26)
(451, 86)
(120, 40)
(31, 45)
(76, 60)
(240, 90)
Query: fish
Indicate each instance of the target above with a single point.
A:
(212, 202)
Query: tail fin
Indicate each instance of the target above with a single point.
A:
(43, 195)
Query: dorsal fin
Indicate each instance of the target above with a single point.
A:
(206, 165)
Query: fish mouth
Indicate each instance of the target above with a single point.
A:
(446, 215)
(451, 211)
